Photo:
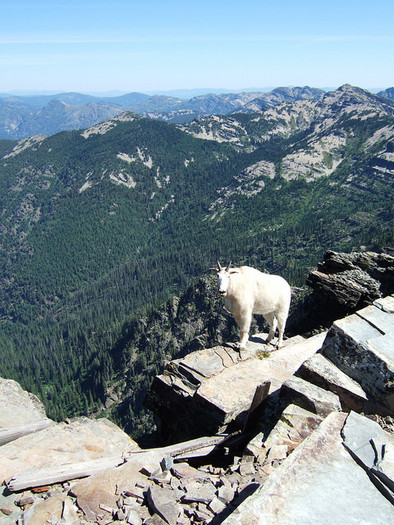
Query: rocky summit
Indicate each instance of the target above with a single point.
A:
(299, 435)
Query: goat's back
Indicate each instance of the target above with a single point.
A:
(264, 292)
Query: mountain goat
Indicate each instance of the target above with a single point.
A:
(247, 291)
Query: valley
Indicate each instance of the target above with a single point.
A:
(108, 230)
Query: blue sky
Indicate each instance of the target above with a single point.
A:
(153, 45)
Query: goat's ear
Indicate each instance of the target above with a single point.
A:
(214, 269)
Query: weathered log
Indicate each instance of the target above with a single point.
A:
(193, 448)
(10, 434)
(30, 479)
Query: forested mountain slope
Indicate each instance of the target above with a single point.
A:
(100, 225)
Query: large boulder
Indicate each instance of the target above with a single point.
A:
(361, 345)
(18, 407)
(321, 372)
(202, 393)
(342, 284)
(320, 482)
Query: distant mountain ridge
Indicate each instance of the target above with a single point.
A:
(23, 116)
(387, 93)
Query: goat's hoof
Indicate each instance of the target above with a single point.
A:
(240, 347)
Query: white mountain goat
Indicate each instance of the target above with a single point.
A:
(247, 291)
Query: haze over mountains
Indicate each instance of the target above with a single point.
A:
(102, 223)
(23, 116)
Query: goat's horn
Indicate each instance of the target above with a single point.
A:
(228, 266)
(219, 267)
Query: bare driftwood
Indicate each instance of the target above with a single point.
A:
(26, 480)
(10, 434)
(193, 448)
(38, 478)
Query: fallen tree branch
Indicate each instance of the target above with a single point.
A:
(49, 476)
(10, 434)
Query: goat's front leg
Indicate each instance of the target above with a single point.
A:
(244, 323)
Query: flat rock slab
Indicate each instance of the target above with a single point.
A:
(311, 397)
(199, 394)
(18, 407)
(373, 448)
(224, 392)
(386, 304)
(240, 381)
(323, 373)
(361, 345)
(209, 361)
(318, 483)
(80, 440)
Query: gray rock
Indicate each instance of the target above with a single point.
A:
(357, 433)
(9, 512)
(277, 453)
(255, 445)
(318, 483)
(349, 289)
(295, 424)
(372, 447)
(18, 407)
(45, 510)
(203, 514)
(386, 304)
(81, 440)
(162, 478)
(203, 492)
(361, 345)
(164, 503)
(311, 397)
(166, 463)
(133, 494)
(69, 512)
(184, 470)
(352, 280)
(323, 373)
(224, 392)
(384, 464)
(155, 520)
(226, 494)
(247, 469)
(132, 517)
(216, 506)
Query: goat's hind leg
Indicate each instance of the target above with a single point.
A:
(271, 320)
(282, 318)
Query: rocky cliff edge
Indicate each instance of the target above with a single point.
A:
(299, 435)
